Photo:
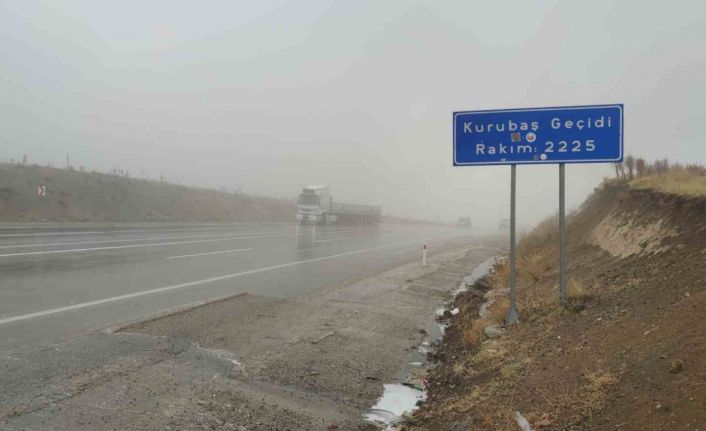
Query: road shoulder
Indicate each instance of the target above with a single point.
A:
(254, 362)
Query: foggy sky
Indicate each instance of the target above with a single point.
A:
(272, 95)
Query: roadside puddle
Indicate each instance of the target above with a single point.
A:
(394, 403)
(401, 399)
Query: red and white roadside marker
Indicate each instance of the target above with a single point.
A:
(41, 190)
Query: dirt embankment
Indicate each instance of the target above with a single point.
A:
(628, 352)
(73, 196)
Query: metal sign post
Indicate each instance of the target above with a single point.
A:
(562, 234)
(512, 316)
(569, 134)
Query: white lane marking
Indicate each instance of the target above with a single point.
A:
(322, 232)
(331, 239)
(210, 252)
(190, 284)
(86, 232)
(107, 241)
(118, 247)
(100, 232)
(114, 226)
(113, 231)
(162, 238)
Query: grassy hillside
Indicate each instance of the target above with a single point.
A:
(627, 351)
(662, 176)
(94, 197)
(679, 180)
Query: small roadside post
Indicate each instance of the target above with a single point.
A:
(552, 135)
(424, 254)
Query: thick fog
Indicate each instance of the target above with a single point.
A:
(269, 96)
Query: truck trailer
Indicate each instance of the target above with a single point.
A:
(316, 206)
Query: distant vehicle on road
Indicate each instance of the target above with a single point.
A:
(316, 206)
(464, 222)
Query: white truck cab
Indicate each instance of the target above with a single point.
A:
(314, 205)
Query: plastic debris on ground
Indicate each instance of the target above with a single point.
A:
(522, 422)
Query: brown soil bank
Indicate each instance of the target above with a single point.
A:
(627, 353)
(73, 196)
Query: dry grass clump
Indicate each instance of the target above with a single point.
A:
(497, 311)
(577, 294)
(474, 326)
(500, 275)
(512, 370)
(534, 266)
(600, 379)
(582, 399)
(677, 366)
(460, 369)
(473, 333)
(591, 396)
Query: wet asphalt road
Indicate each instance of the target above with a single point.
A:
(63, 280)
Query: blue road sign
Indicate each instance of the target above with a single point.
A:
(571, 134)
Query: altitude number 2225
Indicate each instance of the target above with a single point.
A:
(573, 146)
